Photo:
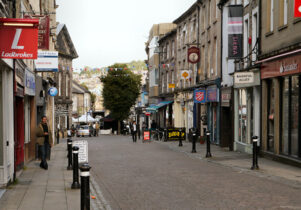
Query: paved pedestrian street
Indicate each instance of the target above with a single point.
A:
(160, 175)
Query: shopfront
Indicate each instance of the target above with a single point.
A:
(281, 107)
(213, 112)
(247, 109)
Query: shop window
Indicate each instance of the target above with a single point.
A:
(242, 111)
(290, 113)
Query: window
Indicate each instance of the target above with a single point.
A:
(246, 3)
(209, 12)
(167, 81)
(271, 115)
(242, 115)
(246, 36)
(67, 85)
(271, 15)
(173, 48)
(59, 83)
(167, 51)
(285, 12)
(203, 18)
(255, 30)
(214, 13)
(27, 118)
(290, 113)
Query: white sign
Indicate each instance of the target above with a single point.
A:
(47, 61)
(289, 67)
(83, 150)
(30, 83)
(185, 74)
(243, 77)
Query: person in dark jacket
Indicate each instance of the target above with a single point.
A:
(44, 140)
(134, 131)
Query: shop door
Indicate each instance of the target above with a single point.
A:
(226, 128)
(19, 133)
(214, 122)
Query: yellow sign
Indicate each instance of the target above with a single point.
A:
(171, 85)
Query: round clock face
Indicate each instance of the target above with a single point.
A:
(193, 57)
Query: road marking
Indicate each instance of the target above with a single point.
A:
(99, 202)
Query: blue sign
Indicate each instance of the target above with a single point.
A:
(199, 96)
(30, 83)
(212, 94)
(52, 91)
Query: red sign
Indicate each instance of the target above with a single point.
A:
(146, 135)
(281, 67)
(193, 55)
(297, 8)
(200, 96)
(147, 113)
(19, 38)
(43, 38)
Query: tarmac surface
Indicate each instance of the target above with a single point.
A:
(157, 175)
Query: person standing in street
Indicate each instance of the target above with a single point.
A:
(97, 128)
(134, 131)
(44, 140)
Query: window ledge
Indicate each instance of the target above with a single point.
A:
(208, 28)
(203, 32)
(280, 28)
(296, 20)
(215, 21)
(269, 33)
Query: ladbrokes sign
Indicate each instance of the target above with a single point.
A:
(19, 38)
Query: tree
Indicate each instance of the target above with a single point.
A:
(93, 99)
(121, 89)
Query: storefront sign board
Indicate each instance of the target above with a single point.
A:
(47, 61)
(83, 151)
(30, 83)
(212, 94)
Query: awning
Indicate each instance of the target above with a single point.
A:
(154, 108)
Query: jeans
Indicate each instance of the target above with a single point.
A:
(44, 151)
(134, 136)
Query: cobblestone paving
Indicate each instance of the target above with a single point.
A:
(153, 176)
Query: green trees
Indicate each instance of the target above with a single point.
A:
(121, 89)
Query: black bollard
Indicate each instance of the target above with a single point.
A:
(194, 137)
(180, 139)
(255, 153)
(85, 187)
(75, 184)
(208, 154)
(69, 143)
(57, 137)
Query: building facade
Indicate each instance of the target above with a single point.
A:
(63, 78)
(281, 81)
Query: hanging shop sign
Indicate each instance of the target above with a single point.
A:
(212, 94)
(19, 38)
(146, 135)
(282, 67)
(30, 83)
(297, 10)
(235, 29)
(185, 74)
(47, 61)
(171, 85)
(52, 91)
(226, 96)
(200, 96)
(43, 34)
(193, 55)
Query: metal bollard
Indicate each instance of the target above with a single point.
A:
(180, 139)
(85, 187)
(194, 136)
(255, 153)
(69, 143)
(75, 184)
(57, 137)
(208, 154)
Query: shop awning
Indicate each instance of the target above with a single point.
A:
(154, 108)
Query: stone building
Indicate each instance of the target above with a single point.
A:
(81, 100)
(168, 77)
(187, 36)
(281, 81)
(152, 50)
(63, 78)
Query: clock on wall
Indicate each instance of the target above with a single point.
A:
(193, 55)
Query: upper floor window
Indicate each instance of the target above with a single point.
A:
(67, 85)
(173, 48)
(270, 15)
(60, 83)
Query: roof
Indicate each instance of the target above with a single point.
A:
(79, 88)
(188, 12)
(59, 28)
(174, 31)
(64, 44)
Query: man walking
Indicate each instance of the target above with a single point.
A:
(44, 140)
(134, 131)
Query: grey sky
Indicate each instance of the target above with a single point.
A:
(109, 31)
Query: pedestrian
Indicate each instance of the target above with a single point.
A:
(44, 140)
(97, 128)
(94, 129)
(134, 131)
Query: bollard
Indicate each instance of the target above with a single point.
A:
(85, 187)
(69, 143)
(194, 136)
(57, 137)
(255, 153)
(208, 154)
(75, 184)
(180, 139)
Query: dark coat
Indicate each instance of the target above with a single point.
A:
(40, 135)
